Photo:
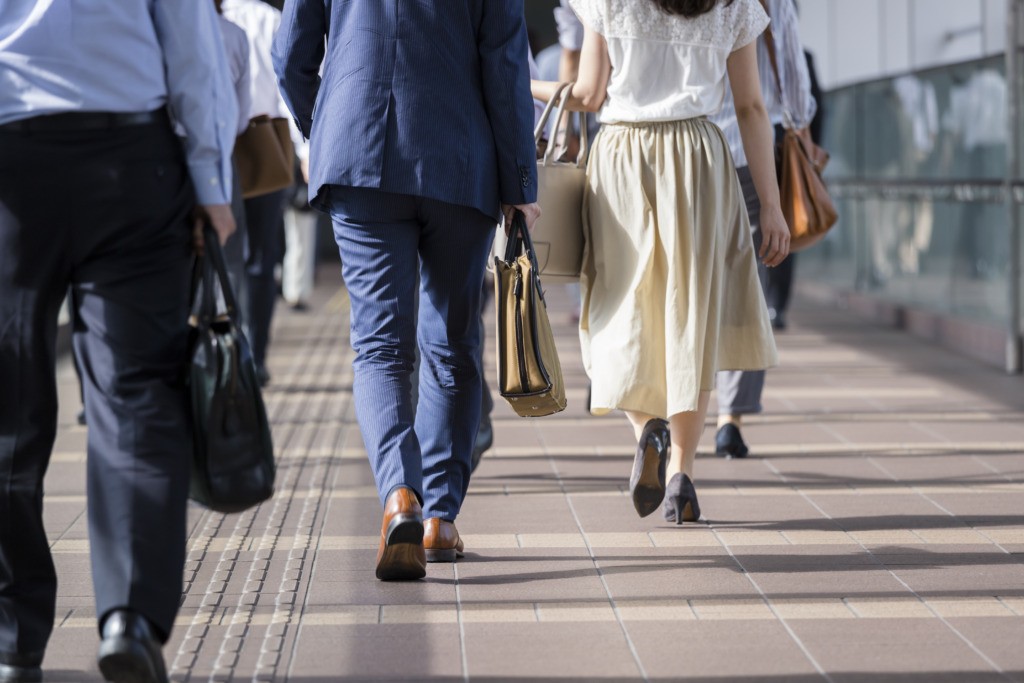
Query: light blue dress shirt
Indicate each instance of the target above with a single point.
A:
(125, 56)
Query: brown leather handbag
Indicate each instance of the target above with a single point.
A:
(265, 156)
(806, 204)
(529, 372)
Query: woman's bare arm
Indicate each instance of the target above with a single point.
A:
(759, 144)
(591, 87)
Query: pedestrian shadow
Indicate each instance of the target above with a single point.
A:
(740, 562)
(875, 523)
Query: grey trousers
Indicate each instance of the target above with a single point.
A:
(739, 391)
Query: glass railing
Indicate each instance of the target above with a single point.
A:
(918, 170)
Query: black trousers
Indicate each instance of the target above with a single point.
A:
(106, 213)
(264, 218)
(780, 284)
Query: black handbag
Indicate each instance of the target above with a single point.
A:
(233, 466)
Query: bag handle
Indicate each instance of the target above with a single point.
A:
(542, 123)
(519, 240)
(211, 268)
(561, 98)
(559, 117)
(769, 42)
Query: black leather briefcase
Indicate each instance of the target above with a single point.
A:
(233, 466)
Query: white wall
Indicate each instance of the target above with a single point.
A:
(861, 40)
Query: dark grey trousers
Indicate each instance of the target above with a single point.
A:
(108, 214)
(264, 218)
(739, 391)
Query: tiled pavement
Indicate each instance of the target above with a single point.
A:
(877, 533)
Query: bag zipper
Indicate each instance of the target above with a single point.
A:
(517, 290)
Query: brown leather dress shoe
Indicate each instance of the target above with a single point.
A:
(442, 541)
(401, 556)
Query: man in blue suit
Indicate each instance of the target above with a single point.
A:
(420, 133)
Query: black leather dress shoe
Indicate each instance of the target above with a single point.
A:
(778, 319)
(484, 441)
(130, 651)
(729, 443)
(10, 673)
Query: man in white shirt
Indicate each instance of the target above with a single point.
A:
(265, 213)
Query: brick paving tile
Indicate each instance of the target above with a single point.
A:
(876, 533)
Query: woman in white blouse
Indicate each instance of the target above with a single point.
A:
(670, 287)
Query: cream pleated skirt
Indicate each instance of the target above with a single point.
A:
(669, 283)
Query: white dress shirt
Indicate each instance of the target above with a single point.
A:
(260, 22)
(236, 44)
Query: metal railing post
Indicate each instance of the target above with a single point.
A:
(1014, 342)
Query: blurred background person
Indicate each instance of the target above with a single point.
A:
(779, 289)
(920, 104)
(264, 214)
(739, 392)
(298, 269)
(975, 121)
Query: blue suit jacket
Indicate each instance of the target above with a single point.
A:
(423, 97)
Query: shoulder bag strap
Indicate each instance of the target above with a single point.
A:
(769, 41)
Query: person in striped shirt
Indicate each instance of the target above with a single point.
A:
(739, 392)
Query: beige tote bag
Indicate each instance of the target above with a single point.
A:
(558, 234)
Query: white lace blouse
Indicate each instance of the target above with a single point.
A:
(667, 67)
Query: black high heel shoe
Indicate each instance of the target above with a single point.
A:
(647, 483)
(681, 500)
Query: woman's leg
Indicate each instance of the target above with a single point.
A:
(638, 420)
(686, 432)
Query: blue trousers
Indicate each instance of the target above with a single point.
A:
(388, 243)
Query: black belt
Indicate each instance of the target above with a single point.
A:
(71, 121)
